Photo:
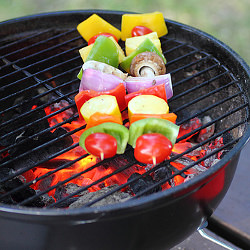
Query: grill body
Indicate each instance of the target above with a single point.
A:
(158, 221)
(154, 223)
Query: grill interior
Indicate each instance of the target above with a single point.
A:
(39, 69)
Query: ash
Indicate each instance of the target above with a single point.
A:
(110, 199)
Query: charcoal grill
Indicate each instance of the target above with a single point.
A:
(39, 63)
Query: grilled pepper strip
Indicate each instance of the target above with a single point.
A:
(146, 46)
(118, 131)
(104, 50)
(152, 125)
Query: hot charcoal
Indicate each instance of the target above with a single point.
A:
(142, 183)
(35, 118)
(43, 153)
(64, 191)
(207, 132)
(18, 196)
(163, 173)
(110, 199)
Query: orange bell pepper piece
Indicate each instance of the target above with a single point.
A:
(169, 116)
(99, 118)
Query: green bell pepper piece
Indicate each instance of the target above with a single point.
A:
(119, 131)
(145, 46)
(104, 50)
(152, 125)
(79, 75)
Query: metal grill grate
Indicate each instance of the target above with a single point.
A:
(40, 68)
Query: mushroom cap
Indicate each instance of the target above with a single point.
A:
(147, 64)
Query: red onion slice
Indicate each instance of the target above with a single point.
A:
(98, 81)
(134, 84)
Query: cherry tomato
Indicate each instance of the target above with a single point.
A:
(93, 38)
(152, 148)
(140, 31)
(101, 145)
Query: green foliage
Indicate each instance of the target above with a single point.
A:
(227, 20)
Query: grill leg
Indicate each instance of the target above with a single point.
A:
(208, 237)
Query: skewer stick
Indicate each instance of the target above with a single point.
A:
(102, 156)
(154, 160)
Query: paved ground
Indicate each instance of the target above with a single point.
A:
(234, 209)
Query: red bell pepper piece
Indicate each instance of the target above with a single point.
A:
(140, 31)
(157, 90)
(119, 92)
(93, 38)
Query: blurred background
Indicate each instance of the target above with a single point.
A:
(227, 20)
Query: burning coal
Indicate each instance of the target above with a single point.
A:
(77, 178)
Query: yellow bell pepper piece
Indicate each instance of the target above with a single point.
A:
(154, 21)
(106, 104)
(132, 43)
(95, 25)
(84, 52)
(147, 104)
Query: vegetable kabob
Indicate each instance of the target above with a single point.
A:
(154, 133)
(102, 94)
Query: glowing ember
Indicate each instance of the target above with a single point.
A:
(85, 179)
(74, 167)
